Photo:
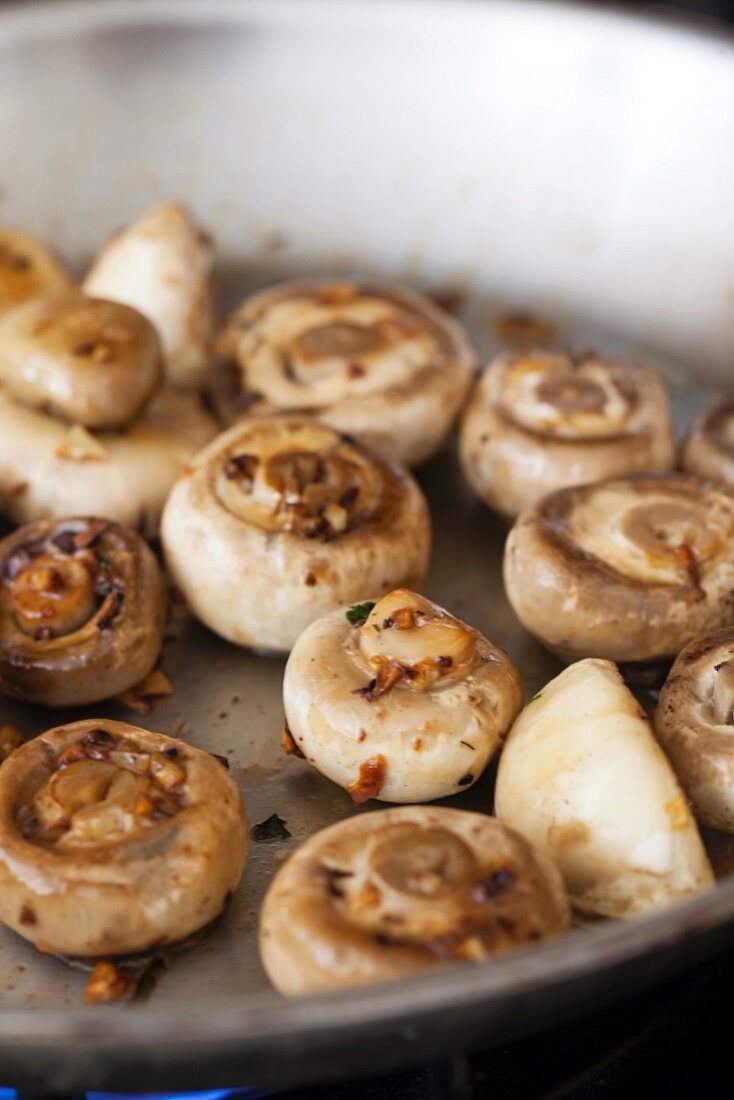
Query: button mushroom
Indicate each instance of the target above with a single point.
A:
(48, 468)
(84, 360)
(279, 521)
(693, 721)
(370, 359)
(385, 895)
(630, 569)
(709, 448)
(582, 777)
(542, 420)
(398, 700)
(28, 269)
(115, 840)
(82, 611)
(161, 265)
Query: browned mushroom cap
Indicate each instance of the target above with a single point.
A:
(374, 360)
(385, 895)
(114, 839)
(630, 569)
(694, 720)
(28, 269)
(280, 520)
(82, 611)
(82, 359)
(543, 420)
(709, 449)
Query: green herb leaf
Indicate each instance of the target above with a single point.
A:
(272, 828)
(538, 695)
(149, 979)
(358, 612)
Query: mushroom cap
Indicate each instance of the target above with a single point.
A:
(709, 448)
(48, 469)
(582, 777)
(543, 420)
(28, 268)
(412, 687)
(693, 721)
(371, 359)
(278, 521)
(114, 839)
(385, 895)
(84, 360)
(629, 568)
(82, 611)
(161, 264)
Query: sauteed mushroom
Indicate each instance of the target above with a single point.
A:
(28, 268)
(82, 611)
(81, 359)
(583, 778)
(115, 840)
(370, 359)
(629, 569)
(385, 895)
(542, 420)
(48, 468)
(398, 700)
(161, 265)
(280, 520)
(709, 449)
(694, 723)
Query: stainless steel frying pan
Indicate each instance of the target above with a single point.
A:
(562, 159)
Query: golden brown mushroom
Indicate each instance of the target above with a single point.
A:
(82, 611)
(709, 448)
(28, 268)
(693, 721)
(83, 360)
(542, 420)
(386, 895)
(398, 700)
(280, 520)
(630, 568)
(115, 840)
(373, 360)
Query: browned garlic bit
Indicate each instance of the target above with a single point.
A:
(161, 265)
(693, 721)
(398, 700)
(543, 420)
(373, 360)
(709, 449)
(280, 520)
(84, 360)
(385, 895)
(630, 569)
(82, 611)
(114, 839)
(28, 268)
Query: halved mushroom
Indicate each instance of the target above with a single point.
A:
(374, 360)
(82, 611)
(398, 700)
(84, 360)
(385, 895)
(161, 265)
(48, 468)
(115, 840)
(630, 569)
(278, 521)
(709, 448)
(583, 778)
(694, 721)
(28, 268)
(542, 420)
